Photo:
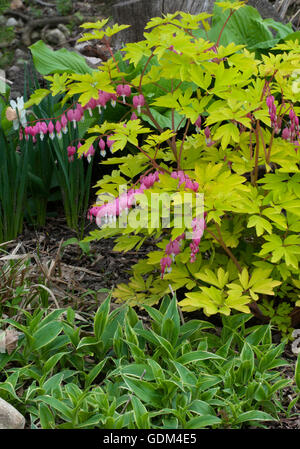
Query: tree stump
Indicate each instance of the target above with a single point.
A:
(138, 12)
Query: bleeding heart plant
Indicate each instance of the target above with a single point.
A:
(210, 121)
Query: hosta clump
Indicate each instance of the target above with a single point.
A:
(212, 124)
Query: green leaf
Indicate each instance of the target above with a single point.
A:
(46, 417)
(254, 415)
(140, 413)
(146, 391)
(94, 373)
(101, 318)
(61, 407)
(87, 341)
(44, 335)
(196, 356)
(202, 421)
(47, 61)
(52, 361)
(165, 119)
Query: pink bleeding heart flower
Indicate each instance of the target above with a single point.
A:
(165, 264)
(198, 226)
(89, 153)
(64, 123)
(102, 146)
(30, 131)
(71, 151)
(70, 115)
(133, 116)
(286, 133)
(138, 101)
(77, 116)
(110, 142)
(189, 184)
(43, 130)
(123, 90)
(26, 132)
(209, 142)
(58, 129)
(173, 248)
(91, 105)
(270, 100)
(113, 100)
(93, 212)
(81, 110)
(103, 98)
(51, 130)
(198, 123)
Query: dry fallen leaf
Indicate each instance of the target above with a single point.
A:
(16, 4)
(11, 340)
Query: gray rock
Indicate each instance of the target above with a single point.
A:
(55, 36)
(11, 22)
(3, 20)
(13, 70)
(10, 418)
(80, 46)
(64, 29)
(20, 54)
(14, 43)
(16, 94)
(35, 35)
(93, 62)
(20, 62)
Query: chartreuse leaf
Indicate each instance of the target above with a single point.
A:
(97, 34)
(261, 225)
(230, 5)
(36, 97)
(95, 25)
(208, 276)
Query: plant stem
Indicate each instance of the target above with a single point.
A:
(232, 11)
(255, 170)
(182, 143)
(223, 244)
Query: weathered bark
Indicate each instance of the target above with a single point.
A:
(138, 12)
